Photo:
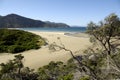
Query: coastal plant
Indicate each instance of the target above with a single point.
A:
(57, 71)
(12, 66)
(15, 70)
(15, 41)
(100, 63)
(85, 78)
(106, 35)
(67, 77)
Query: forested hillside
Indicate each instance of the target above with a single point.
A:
(17, 21)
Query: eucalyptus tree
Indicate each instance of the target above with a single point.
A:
(107, 35)
(107, 32)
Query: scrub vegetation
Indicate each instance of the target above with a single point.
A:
(15, 41)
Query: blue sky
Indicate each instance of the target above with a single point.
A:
(72, 12)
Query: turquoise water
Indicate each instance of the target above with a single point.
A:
(70, 29)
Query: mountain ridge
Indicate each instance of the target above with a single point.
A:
(17, 21)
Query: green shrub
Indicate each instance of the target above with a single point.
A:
(67, 77)
(56, 71)
(16, 49)
(15, 41)
(85, 78)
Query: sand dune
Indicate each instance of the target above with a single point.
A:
(36, 58)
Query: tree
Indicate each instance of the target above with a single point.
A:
(107, 34)
(8, 67)
(15, 70)
(19, 63)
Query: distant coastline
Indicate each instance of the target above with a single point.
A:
(65, 30)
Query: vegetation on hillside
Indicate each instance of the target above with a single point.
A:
(17, 21)
(99, 62)
(14, 41)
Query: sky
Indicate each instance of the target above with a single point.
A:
(71, 12)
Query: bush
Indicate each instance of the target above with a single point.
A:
(56, 71)
(85, 78)
(15, 41)
(16, 49)
(67, 77)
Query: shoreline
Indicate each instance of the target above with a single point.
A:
(72, 34)
(68, 33)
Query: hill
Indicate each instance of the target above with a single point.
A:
(17, 21)
(14, 41)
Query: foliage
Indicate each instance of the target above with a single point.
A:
(66, 77)
(107, 32)
(15, 70)
(14, 41)
(103, 63)
(100, 63)
(12, 65)
(85, 78)
(56, 71)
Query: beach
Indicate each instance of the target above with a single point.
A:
(34, 59)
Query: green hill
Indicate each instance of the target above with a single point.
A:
(14, 41)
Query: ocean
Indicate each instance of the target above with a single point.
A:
(70, 29)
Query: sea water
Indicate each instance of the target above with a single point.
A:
(69, 29)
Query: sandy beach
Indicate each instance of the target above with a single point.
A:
(37, 58)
